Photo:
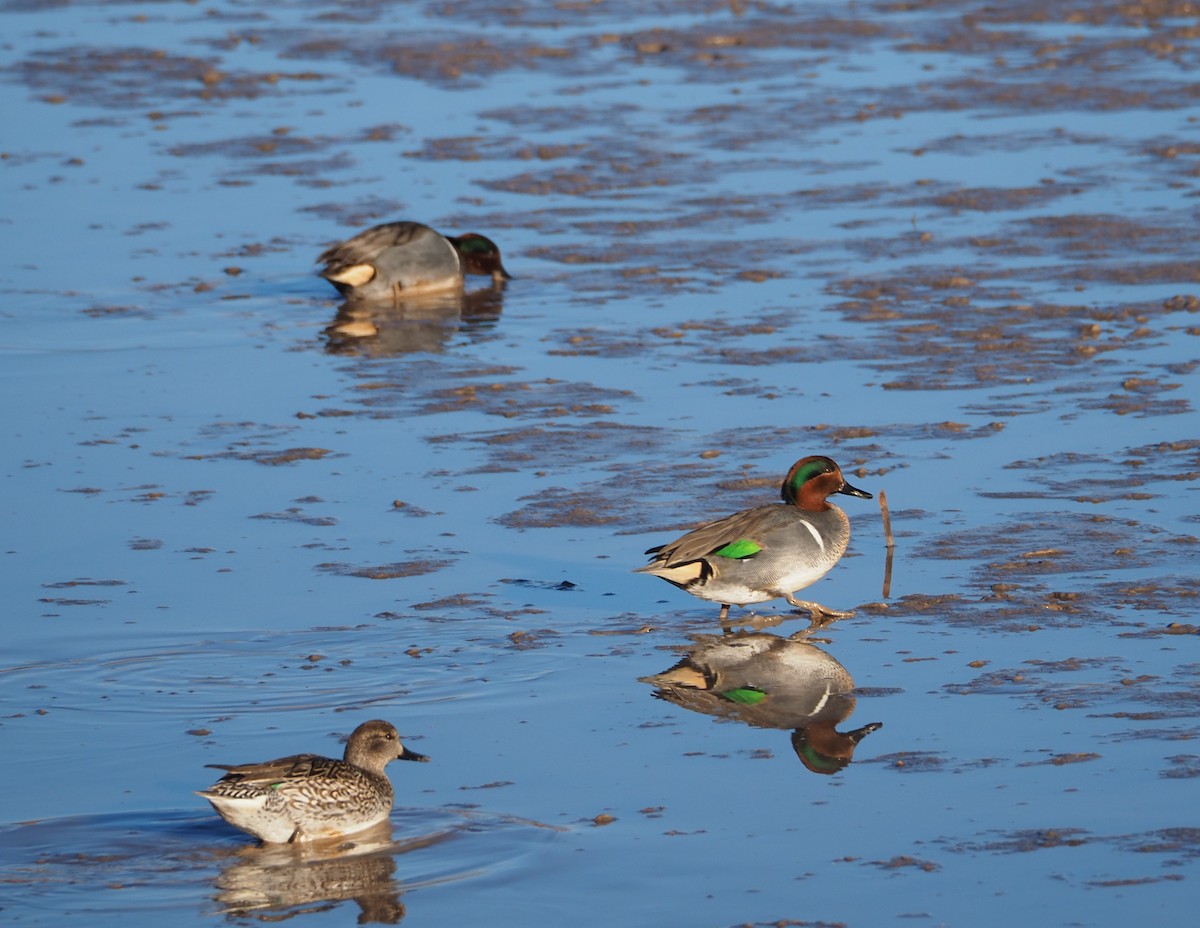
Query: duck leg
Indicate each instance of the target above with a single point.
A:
(820, 615)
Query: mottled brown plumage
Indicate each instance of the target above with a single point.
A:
(307, 796)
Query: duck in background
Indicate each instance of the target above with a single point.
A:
(401, 258)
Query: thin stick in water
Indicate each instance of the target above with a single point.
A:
(891, 543)
(887, 520)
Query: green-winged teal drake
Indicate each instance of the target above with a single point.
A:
(768, 552)
(306, 797)
(385, 261)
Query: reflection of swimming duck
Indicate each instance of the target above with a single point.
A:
(770, 682)
(420, 322)
(385, 261)
(277, 878)
(306, 796)
(767, 552)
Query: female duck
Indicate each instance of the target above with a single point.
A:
(306, 797)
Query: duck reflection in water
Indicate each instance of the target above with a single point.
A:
(298, 879)
(768, 681)
(421, 322)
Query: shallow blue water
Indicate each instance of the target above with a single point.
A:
(977, 302)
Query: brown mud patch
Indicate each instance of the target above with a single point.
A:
(554, 446)
(269, 457)
(296, 515)
(391, 571)
(1144, 472)
(1060, 543)
(1101, 686)
(132, 78)
(1182, 844)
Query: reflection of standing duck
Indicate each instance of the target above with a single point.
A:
(770, 682)
(768, 552)
(385, 261)
(306, 796)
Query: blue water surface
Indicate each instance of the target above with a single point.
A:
(951, 247)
